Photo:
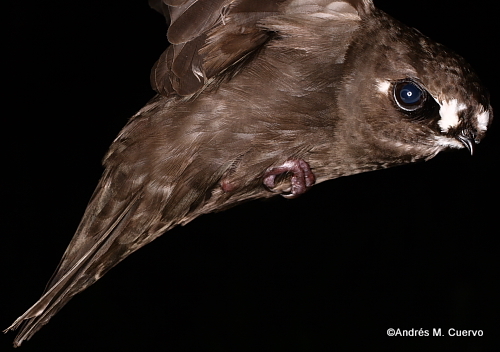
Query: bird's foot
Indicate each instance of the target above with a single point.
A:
(302, 178)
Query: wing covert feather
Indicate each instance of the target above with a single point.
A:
(206, 38)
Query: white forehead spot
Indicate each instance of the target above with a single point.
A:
(383, 86)
(449, 114)
(483, 119)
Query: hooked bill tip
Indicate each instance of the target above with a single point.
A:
(468, 142)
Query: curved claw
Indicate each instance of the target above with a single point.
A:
(302, 177)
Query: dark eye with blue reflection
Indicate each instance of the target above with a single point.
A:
(409, 95)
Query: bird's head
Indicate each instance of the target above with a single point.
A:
(409, 97)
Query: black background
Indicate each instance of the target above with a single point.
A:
(409, 247)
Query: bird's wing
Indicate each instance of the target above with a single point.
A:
(206, 38)
(210, 38)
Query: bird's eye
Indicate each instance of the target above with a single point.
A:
(409, 96)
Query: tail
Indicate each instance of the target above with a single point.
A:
(68, 281)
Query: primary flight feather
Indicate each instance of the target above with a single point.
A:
(258, 98)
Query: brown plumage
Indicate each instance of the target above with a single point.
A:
(258, 98)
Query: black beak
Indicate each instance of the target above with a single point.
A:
(468, 142)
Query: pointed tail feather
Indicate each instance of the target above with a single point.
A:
(75, 280)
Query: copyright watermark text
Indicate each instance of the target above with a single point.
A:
(433, 332)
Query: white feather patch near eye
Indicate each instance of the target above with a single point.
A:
(449, 114)
(483, 119)
(383, 86)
